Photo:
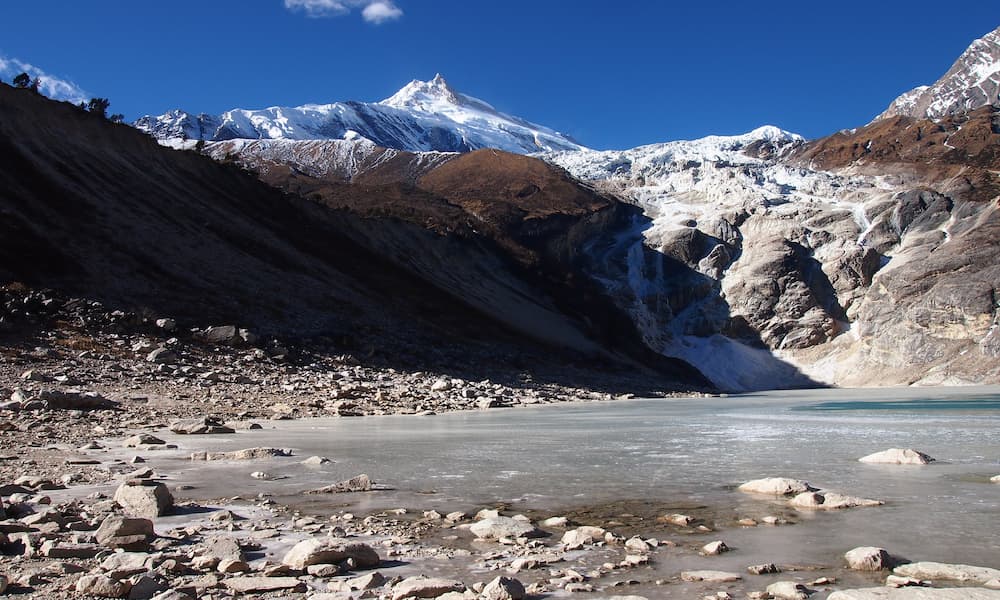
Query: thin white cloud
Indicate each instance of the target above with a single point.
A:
(381, 11)
(372, 11)
(51, 86)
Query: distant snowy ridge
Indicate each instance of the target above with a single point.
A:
(972, 82)
(423, 116)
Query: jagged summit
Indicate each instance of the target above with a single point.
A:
(971, 83)
(423, 95)
(422, 116)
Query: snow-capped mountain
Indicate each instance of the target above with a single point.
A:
(422, 116)
(973, 81)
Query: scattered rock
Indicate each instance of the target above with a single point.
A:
(316, 461)
(776, 486)
(897, 456)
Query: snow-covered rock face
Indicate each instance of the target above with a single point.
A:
(972, 82)
(423, 116)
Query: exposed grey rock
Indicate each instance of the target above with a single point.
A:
(144, 498)
(314, 461)
(897, 456)
(56, 549)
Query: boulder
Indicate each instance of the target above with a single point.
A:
(262, 585)
(915, 593)
(131, 534)
(897, 456)
(162, 356)
(75, 400)
(714, 548)
(776, 486)
(144, 498)
(503, 527)
(425, 587)
(318, 551)
(122, 565)
(949, 572)
(995, 479)
(503, 588)
(200, 426)
(244, 454)
(142, 439)
(102, 586)
(710, 576)
(830, 501)
(868, 558)
(763, 569)
(789, 590)
(358, 483)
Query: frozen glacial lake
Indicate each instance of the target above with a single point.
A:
(662, 453)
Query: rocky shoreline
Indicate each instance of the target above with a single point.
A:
(93, 508)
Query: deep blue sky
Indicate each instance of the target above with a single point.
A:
(612, 74)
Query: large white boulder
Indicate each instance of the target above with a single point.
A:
(868, 558)
(830, 501)
(897, 456)
(776, 486)
(330, 551)
(915, 593)
(950, 572)
(503, 527)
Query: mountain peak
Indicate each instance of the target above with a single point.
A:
(972, 82)
(424, 95)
